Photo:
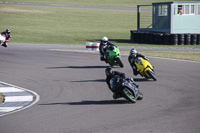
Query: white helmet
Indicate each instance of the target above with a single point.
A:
(104, 40)
(133, 52)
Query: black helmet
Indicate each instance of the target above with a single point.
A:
(7, 31)
(109, 71)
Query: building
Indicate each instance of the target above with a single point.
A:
(176, 23)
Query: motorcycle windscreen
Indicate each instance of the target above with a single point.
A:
(115, 83)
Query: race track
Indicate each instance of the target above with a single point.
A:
(74, 97)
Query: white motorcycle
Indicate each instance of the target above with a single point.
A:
(2, 39)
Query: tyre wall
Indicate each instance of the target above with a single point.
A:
(164, 38)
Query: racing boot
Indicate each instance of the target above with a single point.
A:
(4, 45)
(105, 59)
(102, 59)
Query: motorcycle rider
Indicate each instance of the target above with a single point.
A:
(7, 36)
(102, 48)
(131, 59)
(109, 75)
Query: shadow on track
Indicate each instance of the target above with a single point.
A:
(104, 102)
(97, 80)
(143, 80)
(78, 67)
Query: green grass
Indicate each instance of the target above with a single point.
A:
(182, 55)
(65, 25)
(96, 3)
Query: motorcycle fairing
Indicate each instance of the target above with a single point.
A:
(143, 66)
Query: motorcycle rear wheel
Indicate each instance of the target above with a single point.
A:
(151, 75)
(128, 95)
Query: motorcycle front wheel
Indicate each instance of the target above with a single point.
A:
(140, 95)
(151, 74)
(128, 95)
(119, 61)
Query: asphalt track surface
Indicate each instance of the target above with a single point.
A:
(74, 97)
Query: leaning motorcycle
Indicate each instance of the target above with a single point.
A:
(126, 88)
(2, 39)
(113, 56)
(145, 68)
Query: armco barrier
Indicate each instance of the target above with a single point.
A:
(92, 46)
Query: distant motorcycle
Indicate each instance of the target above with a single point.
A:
(126, 88)
(2, 39)
(113, 56)
(145, 68)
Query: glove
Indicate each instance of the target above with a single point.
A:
(131, 79)
(146, 58)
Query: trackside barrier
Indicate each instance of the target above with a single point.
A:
(88, 46)
(164, 38)
(92, 46)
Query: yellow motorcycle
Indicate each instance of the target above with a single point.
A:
(145, 68)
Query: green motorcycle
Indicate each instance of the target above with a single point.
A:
(113, 56)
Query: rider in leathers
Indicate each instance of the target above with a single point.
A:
(7, 36)
(131, 58)
(102, 48)
(109, 75)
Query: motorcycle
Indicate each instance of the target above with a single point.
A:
(129, 90)
(145, 68)
(2, 39)
(113, 56)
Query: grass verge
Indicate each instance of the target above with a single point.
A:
(181, 55)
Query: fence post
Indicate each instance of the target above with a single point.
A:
(138, 17)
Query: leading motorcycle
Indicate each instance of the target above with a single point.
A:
(2, 39)
(129, 90)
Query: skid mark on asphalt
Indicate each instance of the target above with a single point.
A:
(16, 98)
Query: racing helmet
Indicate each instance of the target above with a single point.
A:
(7, 31)
(109, 71)
(104, 40)
(133, 52)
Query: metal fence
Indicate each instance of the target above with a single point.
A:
(144, 17)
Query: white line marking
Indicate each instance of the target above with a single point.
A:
(9, 89)
(8, 109)
(19, 98)
(19, 108)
